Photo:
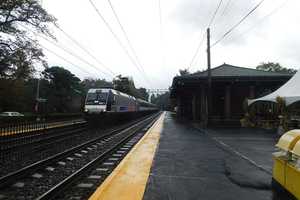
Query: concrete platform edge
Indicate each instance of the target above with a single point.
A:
(128, 180)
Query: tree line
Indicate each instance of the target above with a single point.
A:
(162, 101)
(59, 89)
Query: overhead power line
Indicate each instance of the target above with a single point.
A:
(276, 9)
(197, 51)
(117, 38)
(225, 8)
(215, 13)
(204, 34)
(86, 51)
(126, 35)
(74, 55)
(66, 60)
(58, 45)
(238, 23)
(161, 34)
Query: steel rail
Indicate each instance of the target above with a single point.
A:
(37, 139)
(23, 172)
(60, 187)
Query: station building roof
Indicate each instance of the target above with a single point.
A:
(226, 72)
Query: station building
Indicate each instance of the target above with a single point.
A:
(230, 87)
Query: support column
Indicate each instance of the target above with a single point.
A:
(179, 108)
(194, 107)
(252, 92)
(203, 105)
(227, 102)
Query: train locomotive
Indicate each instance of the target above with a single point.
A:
(106, 104)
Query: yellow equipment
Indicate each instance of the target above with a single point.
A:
(286, 168)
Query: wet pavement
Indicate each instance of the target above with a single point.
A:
(255, 144)
(213, 164)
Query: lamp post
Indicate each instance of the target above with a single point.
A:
(38, 100)
(37, 96)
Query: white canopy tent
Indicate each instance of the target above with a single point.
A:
(290, 92)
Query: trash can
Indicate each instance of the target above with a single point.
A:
(283, 155)
(292, 180)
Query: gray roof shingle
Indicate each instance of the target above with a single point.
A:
(226, 70)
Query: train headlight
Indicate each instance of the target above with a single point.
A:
(86, 110)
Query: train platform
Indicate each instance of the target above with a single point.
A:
(175, 160)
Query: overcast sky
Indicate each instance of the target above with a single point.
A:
(258, 39)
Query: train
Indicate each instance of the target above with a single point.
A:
(109, 104)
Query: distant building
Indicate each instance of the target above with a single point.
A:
(230, 87)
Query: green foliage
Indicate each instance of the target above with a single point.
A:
(126, 85)
(267, 114)
(17, 95)
(95, 83)
(275, 67)
(18, 53)
(153, 98)
(142, 93)
(63, 88)
(28, 12)
(64, 92)
(162, 100)
(61, 78)
(18, 63)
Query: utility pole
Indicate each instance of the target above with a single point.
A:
(208, 76)
(37, 95)
(38, 89)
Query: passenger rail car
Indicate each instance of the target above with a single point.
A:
(106, 102)
(145, 105)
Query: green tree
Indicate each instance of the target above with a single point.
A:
(275, 67)
(63, 88)
(125, 84)
(162, 101)
(143, 94)
(153, 98)
(18, 53)
(89, 83)
(17, 95)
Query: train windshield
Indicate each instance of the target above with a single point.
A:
(96, 98)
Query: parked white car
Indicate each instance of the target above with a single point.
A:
(11, 114)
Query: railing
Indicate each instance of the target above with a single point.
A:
(29, 127)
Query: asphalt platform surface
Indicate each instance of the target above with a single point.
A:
(192, 164)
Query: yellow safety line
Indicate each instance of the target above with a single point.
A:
(48, 126)
(128, 180)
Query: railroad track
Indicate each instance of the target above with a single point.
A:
(25, 150)
(21, 140)
(48, 144)
(47, 178)
(17, 154)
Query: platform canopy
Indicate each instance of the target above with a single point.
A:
(290, 92)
